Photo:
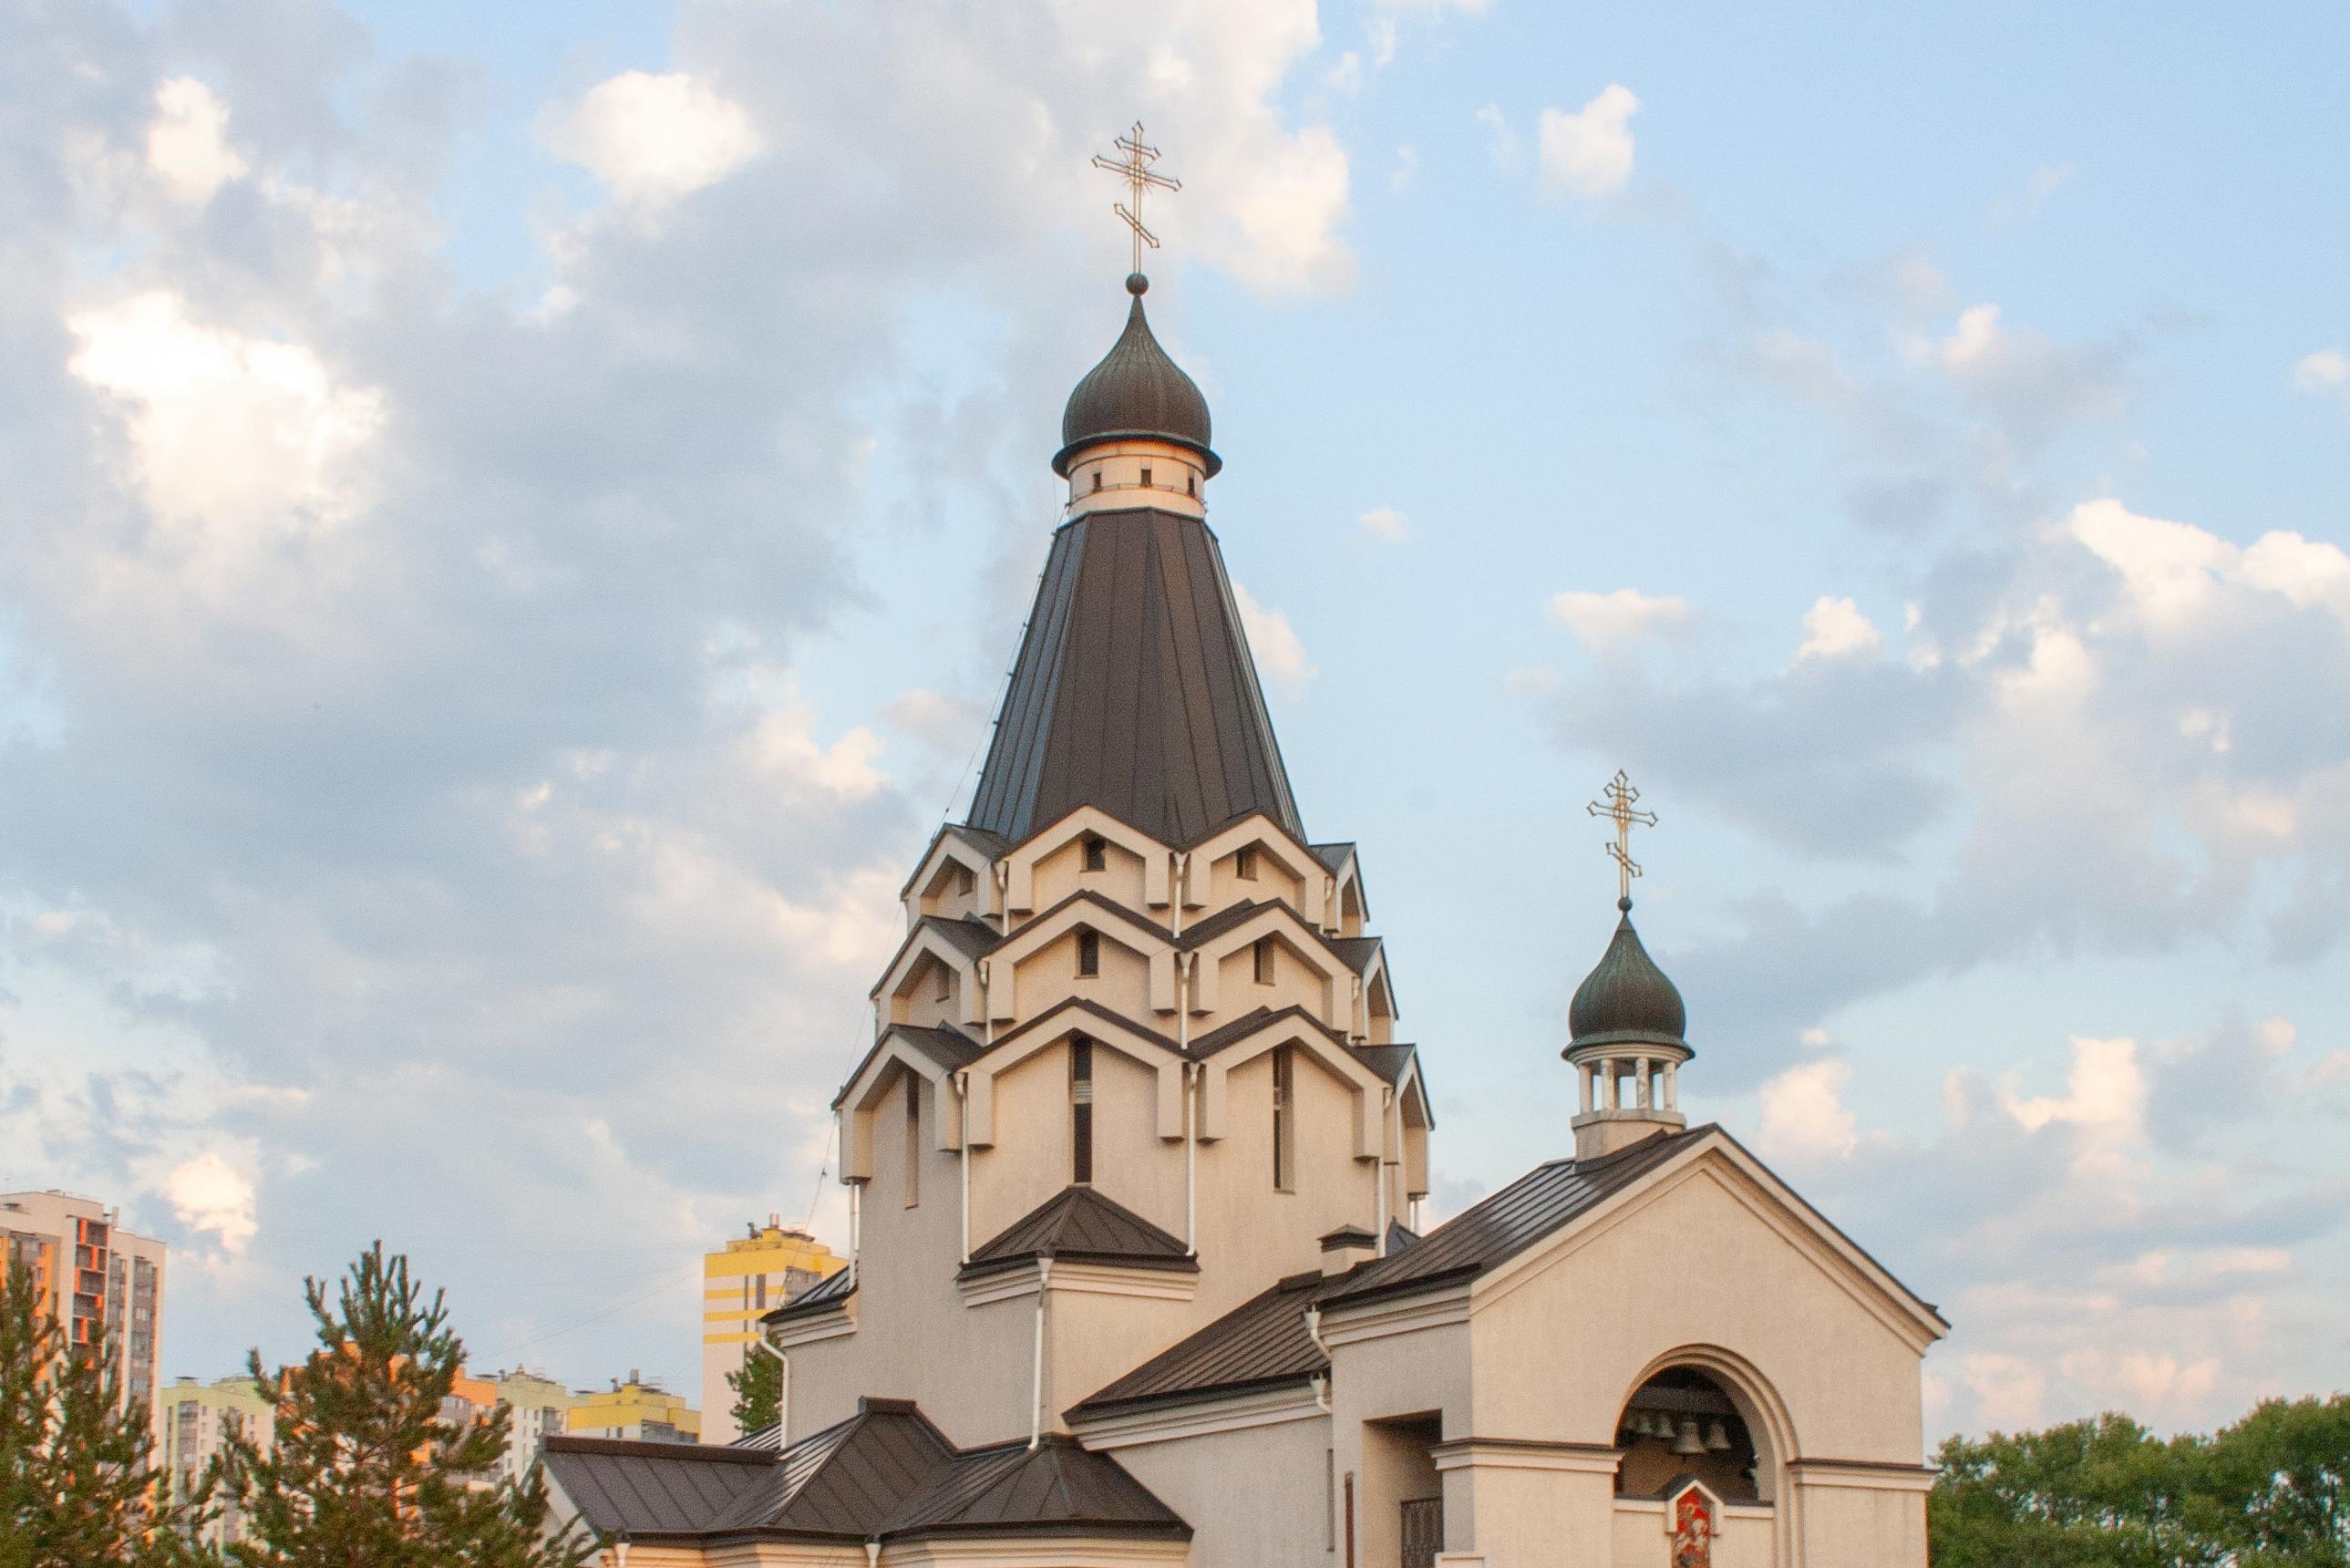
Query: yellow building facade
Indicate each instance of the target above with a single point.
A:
(635, 1411)
(741, 1282)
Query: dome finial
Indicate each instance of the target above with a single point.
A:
(1627, 1020)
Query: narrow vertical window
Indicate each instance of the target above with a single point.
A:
(1097, 479)
(1244, 863)
(1285, 1120)
(1261, 959)
(1190, 484)
(1088, 953)
(1096, 853)
(913, 1140)
(944, 987)
(1081, 1111)
(1146, 479)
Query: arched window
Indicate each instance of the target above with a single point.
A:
(1681, 1424)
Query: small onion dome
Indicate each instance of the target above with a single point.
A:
(1627, 1000)
(1136, 393)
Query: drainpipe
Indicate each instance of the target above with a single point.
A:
(1380, 1170)
(872, 1553)
(1314, 1337)
(963, 1118)
(1036, 1394)
(1175, 893)
(783, 1395)
(856, 1192)
(620, 1550)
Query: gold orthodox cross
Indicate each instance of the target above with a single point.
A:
(1621, 799)
(1134, 168)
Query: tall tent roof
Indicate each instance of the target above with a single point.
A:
(1134, 692)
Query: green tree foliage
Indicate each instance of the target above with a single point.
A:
(78, 1480)
(2271, 1491)
(758, 1390)
(366, 1470)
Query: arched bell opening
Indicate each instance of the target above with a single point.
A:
(1681, 1424)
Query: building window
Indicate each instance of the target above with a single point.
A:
(913, 1140)
(1285, 1119)
(1146, 479)
(1096, 853)
(1244, 863)
(1088, 953)
(1081, 1111)
(944, 987)
(1190, 484)
(1097, 479)
(761, 1292)
(1261, 959)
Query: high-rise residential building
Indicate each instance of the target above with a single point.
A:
(636, 1410)
(741, 1282)
(96, 1275)
(196, 1421)
(537, 1408)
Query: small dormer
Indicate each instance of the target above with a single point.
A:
(954, 881)
(1254, 862)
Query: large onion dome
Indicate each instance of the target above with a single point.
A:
(1136, 393)
(1627, 1000)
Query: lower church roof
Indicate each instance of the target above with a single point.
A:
(884, 1474)
(1081, 1225)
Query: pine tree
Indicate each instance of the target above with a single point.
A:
(758, 1390)
(366, 1470)
(78, 1480)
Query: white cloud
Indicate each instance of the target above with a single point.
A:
(208, 1193)
(2104, 1094)
(651, 139)
(1386, 523)
(1836, 629)
(1283, 214)
(187, 142)
(2172, 571)
(240, 438)
(1274, 643)
(1606, 622)
(1589, 152)
(2322, 371)
(2010, 1392)
(1803, 1115)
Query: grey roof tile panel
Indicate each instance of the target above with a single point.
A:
(1504, 1223)
(1228, 1034)
(1055, 1487)
(949, 1047)
(1261, 1341)
(654, 1489)
(1388, 1061)
(1052, 1015)
(830, 1291)
(1133, 691)
(1357, 952)
(1080, 1222)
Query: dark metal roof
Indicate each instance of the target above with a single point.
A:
(1052, 1015)
(885, 1473)
(1505, 1223)
(830, 1291)
(972, 939)
(1080, 1224)
(1134, 692)
(1057, 1487)
(1136, 391)
(944, 1044)
(1261, 1341)
(654, 1489)
(1627, 998)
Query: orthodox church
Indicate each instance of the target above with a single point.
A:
(1136, 1160)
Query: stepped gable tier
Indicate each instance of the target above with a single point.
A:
(1134, 692)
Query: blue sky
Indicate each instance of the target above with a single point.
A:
(523, 514)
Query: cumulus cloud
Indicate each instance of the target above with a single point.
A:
(1803, 1115)
(209, 1194)
(1275, 642)
(1836, 629)
(1605, 622)
(2322, 371)
(1386, 523)
(2174, 571)
(651, 139)
(187, 143)
(1589, 151)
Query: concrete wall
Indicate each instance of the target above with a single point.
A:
(1255, 1498)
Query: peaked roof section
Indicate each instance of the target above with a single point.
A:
(1080, 1224)
(884, 1474)
(1057, 1486)
(1134, 692)
(1503, 1224)
(1260, 1342)
(1136, 391)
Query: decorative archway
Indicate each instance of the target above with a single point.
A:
(1667, 1429)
